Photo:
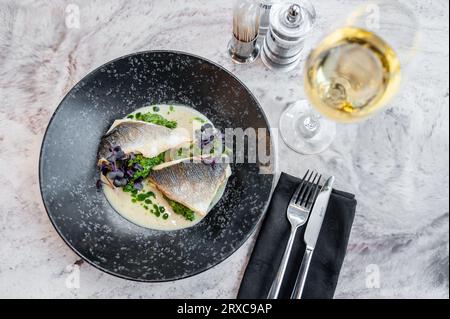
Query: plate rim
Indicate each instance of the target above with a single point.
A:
(118, 275)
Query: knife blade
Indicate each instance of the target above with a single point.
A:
(312, 235)
(318, 214)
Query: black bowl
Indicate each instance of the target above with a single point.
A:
(68, 174)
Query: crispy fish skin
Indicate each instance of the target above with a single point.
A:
(138, 137)
(192, 184)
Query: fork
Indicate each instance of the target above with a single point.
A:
(297, 213)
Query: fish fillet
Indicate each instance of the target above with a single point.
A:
(193, 185)
(147, 139)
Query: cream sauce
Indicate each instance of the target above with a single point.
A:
(121, 201)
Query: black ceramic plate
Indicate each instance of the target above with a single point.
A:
(68, 174)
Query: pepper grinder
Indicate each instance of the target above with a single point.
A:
(244, 47)
(265, 6)
(290, 23)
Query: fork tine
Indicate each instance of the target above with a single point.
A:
(311, 200)
(308, 193)
(297, 192)
(305, 189)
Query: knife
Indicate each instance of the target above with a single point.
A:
(312, 234)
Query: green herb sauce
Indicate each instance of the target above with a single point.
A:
(181, 210)
(156, 119)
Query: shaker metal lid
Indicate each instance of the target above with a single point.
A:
(292, 21)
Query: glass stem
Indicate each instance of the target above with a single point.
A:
(309, 125)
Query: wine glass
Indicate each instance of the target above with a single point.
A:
(352, 73)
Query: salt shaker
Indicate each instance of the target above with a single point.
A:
(290, 23)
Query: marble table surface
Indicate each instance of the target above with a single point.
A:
(396, 163)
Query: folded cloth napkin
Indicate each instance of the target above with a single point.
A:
(273, 237)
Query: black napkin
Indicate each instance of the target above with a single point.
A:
(273, 237)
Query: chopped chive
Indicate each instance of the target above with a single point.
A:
(199, 119)
(127, 189)
(157, 119)
(181, 210)
(155, 109)
(165, 216)
(141, 197)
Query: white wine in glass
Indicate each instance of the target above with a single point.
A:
(352, 73)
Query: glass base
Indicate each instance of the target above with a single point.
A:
(304, 131)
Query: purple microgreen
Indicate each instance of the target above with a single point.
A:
(112, 158)
(138, 186)
(139, 183)
(105, 169)
(206, 127)
(120, 173)
(210, 161)
(120, 182)
(120, 156)
(111, 175)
